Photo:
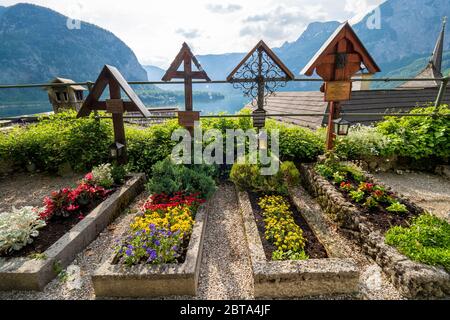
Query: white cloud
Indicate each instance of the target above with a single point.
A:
(155, 30)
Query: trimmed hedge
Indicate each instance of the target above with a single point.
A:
(60, 139)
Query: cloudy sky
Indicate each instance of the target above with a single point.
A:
(156, 29)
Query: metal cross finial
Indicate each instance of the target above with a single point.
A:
(444, 20)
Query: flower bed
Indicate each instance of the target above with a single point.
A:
(29, 231)
(366, 210)
(161, 253)
(46, 240)
(288, 259)
(161, 233)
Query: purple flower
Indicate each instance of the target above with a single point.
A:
(129, 253)
(152, 255)
(175, 248)
(157, 243)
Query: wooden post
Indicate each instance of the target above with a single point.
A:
(118, 123)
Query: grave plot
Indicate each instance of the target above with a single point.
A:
(38, 243)
(409, 244)
(287, 257)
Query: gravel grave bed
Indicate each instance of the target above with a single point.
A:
(313, 248)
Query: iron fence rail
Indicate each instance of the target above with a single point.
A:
(89, 83)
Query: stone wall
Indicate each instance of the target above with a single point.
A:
(414, 280)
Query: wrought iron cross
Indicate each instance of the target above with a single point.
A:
(259, 75)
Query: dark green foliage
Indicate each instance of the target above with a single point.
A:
(426, 241)
(118, 173)
(170, 178)
(296, 143)
(248, 177)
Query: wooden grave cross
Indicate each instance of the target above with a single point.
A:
(185, 57)
(111, 77)
(340, 58)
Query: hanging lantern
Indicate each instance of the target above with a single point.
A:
(116, 151)
(341, 127)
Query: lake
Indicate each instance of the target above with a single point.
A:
(231, 104)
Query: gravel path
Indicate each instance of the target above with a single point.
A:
(26, 189)
(431, 192)
(226, 272)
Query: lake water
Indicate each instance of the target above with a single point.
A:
(231, 104)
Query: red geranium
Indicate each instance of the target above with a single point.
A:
(163, 201)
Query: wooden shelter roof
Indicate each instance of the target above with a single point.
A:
(367, 101)
(343, 31)
(107, 75)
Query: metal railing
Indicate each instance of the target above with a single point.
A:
(444, 83)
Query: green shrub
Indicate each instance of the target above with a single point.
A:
(248, 177)
(170, 178)
(419, 137)
(296, 143)
(60, 139)
(363, 142)
(426, 241)
(148, 146)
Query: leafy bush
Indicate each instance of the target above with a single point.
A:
(248, 177)
(170, 178)
(426, 241)
(296, 143)
(60, 139)
(281, 229)
(18, 228)
(419, 137)
(363, 142)
(148, 146)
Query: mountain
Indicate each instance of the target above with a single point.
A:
(408, 33)
(154, 73)
(411, 70)
(37, 46)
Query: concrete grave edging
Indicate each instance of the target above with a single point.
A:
(144, 281)
(294, 279)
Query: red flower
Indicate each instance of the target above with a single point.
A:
(89, 177)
